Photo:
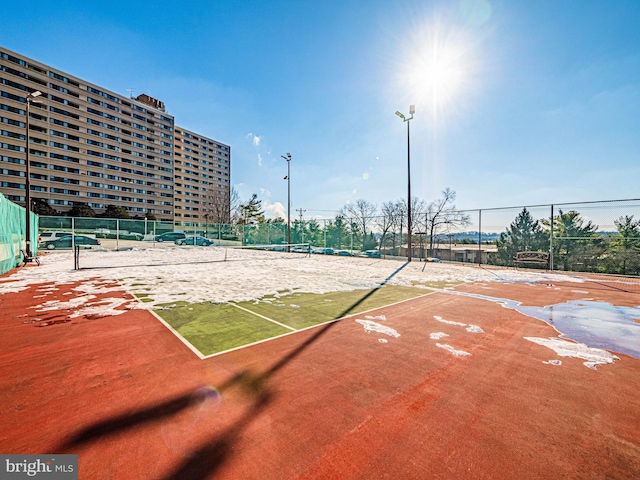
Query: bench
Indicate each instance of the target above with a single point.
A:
(532, 258)
(27, 259)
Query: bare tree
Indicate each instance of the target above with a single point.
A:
(418, 209)
(234, 205)
(442, 213)
(221, 204)
(361, 213)
(388, 221)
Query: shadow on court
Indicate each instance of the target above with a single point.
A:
(212, 454)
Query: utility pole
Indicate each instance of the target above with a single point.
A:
(301, 221)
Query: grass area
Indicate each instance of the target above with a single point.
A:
(300, 310)
(214, 328)
(144, 297)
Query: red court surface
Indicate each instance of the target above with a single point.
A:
(126, 395)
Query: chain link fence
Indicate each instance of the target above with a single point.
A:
(13, 234)
(597, 237)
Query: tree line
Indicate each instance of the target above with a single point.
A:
(354, 224)
(575, 243)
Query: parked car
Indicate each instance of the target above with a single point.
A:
(170, 237)
(328, 251)
(344, 253)
(122, 234)
(300, 249)
(197, 240)
(432, 259)
(47, 236)
(372, 253)
(66, 242)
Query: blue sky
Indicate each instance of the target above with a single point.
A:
(536, 102)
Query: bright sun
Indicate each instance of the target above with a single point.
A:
(436, 73)
(437, 68)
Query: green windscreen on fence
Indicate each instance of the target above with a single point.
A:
(12, 234)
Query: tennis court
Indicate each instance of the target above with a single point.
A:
(446, 384)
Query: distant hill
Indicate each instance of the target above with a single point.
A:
(467, 236)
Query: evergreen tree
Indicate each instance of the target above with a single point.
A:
(81, 209)
(525, 234)
(42, 207)
(625, 247)
(251, 212)
(113, 211)
(370, 243)
(314, 232)
(336, 232)
(575, 243)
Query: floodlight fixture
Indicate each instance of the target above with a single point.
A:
(288, 179)
(28, 253)
(412, 110)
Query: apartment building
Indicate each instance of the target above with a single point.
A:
(202, 178)
(90, 145)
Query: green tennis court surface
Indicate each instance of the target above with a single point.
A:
(214, 328)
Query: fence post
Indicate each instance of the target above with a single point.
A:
(551, 241)
(400, 245)
(351, 225)
(479, 237)
(73, 232)
(117, 233)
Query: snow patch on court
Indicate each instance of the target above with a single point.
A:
(564, 348)
(449, 348)
(553, 362)
(74, 303)
(474, 329)
(106, 307)
(370, 326)
(449, 322)
(378, 317)
(438, 335)
(170, 274)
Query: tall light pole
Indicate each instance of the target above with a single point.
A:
(288, 179)
(412, 110)
(27, 184)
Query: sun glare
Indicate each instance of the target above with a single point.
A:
(437, 74)
(437, 69)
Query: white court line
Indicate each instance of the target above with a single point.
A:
(262, 316)
(171, 329)
(177, 334)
